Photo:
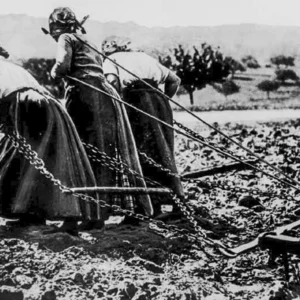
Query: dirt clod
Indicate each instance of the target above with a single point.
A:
(248, 201)
(49, 295)
(10, 293)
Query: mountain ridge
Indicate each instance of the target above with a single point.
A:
(21, 35)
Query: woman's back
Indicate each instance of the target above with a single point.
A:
(13, 78)
(139, 63)
(75, 58)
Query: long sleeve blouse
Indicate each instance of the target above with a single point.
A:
(14, 78)
(139, 63)
(76, 59)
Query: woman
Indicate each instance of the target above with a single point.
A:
(28, 110)
(100, 120)
(153, 138)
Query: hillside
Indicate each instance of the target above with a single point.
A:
(21, 35)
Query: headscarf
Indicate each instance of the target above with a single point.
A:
(63, 20)
(113, 44)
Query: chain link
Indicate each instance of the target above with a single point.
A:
(153, 163)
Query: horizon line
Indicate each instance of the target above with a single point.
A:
(166, 27)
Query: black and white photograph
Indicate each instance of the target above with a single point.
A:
(150, 150)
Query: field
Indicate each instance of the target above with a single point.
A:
(249, 96)
(127, 262)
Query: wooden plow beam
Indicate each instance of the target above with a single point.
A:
(238, 166)
(120, 190)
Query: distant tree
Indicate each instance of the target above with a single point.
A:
(198, 68)
(286, 74)
(250, 62)
(234, 65)
(229, 87)
(268, 86)
(287, 61)
(166, 61)
(40, 68)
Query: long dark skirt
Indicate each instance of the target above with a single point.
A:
(103, 123)
(152, 137)
(47, 127)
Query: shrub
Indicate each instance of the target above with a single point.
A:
(268, 86)
(229, 87)
(234, 65)
(286, 74)
(250, 62)
(287, 61)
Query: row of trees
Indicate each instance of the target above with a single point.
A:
(282, 75)
(199, 67)
(207, 65)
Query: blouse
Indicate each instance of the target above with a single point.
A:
(138, 63)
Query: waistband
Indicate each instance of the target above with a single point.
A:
(21, 90)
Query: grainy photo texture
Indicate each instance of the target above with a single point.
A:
(149, 150)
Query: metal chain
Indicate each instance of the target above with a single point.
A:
(102, 158)
(225, 149)
(226, 186)
(291, 183)
(183, 207)
(200, 237)
(213, 184)
(114, 164)
(153, 163)
(208, 141)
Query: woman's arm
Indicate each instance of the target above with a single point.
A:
(172, 84)
(63, 57)
(114, 81)
(11, 58)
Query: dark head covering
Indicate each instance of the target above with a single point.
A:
(63, 20)
(113, 44)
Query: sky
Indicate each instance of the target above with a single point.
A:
(168, 13)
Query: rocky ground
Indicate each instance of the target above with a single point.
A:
(138, 262)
